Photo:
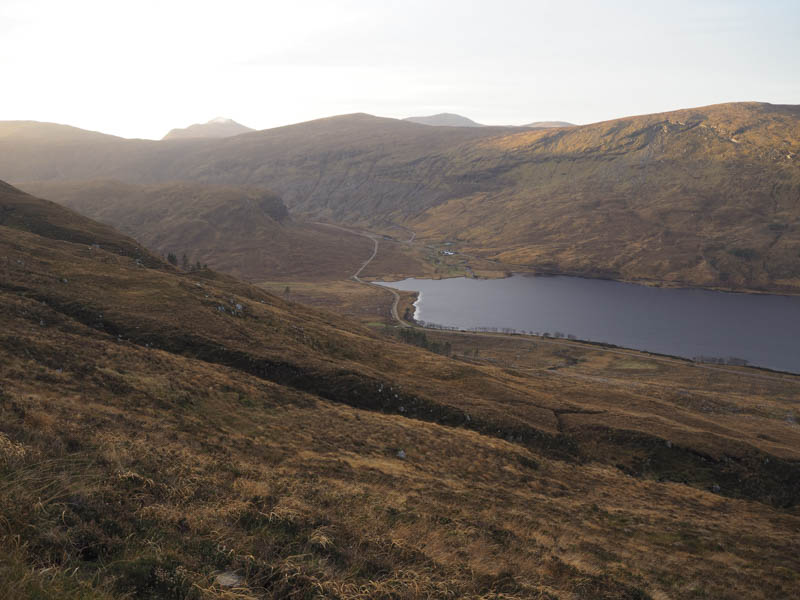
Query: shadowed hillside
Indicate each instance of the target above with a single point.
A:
(333, 168)
(168, 434)
(243, 231)
(24, 212)
(705, 196)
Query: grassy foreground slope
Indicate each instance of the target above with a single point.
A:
(159, 429)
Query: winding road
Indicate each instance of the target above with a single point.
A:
(356, 276)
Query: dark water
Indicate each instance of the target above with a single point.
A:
(762, 329)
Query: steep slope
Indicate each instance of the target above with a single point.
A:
(341, 167)
(160, 430)
(335, 167)
(444, 120)
(22, 211)
(707, 196)
(242, 231)
(215, 128)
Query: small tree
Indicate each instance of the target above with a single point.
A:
(185, 262)
(172, 259)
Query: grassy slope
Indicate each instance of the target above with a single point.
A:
(243, 231)
(48, 219)
(154, 432)
(707, 196)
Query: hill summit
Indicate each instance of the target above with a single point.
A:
(219, 127)
(548, 124)
(444, 120)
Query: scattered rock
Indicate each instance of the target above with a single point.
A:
(229, 579)
(669, 444)
(715, 488)
(401, 454)
(10, 450)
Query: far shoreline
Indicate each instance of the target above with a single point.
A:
(651, 283)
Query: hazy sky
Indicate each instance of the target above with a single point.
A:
(137, 69)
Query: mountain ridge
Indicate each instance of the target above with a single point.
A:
(646, 198)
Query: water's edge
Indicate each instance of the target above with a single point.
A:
(645, 325)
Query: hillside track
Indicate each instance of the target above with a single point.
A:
(356, 276)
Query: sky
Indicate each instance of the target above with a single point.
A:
(138, 69)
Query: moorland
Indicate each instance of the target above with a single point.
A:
(254, 422)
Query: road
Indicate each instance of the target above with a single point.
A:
(356, 276)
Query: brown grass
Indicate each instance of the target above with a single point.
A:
(239, 230)
(151, 441)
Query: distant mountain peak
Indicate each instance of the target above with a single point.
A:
(548, 124)
(444, 120)
(218, 127)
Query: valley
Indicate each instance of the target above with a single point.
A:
(399, 301)
(263, 411)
